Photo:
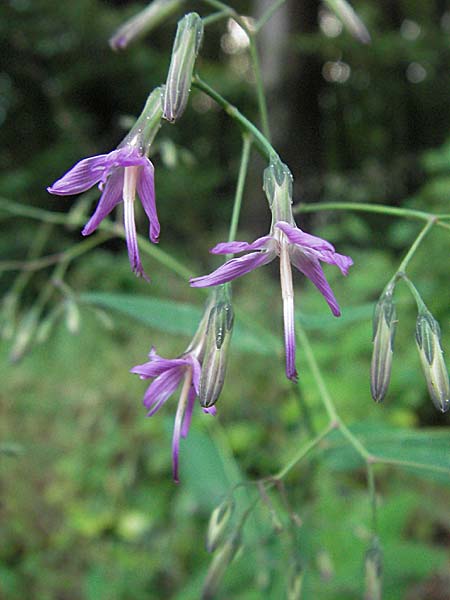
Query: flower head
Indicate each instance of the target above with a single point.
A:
(291, 245)
(119, 175)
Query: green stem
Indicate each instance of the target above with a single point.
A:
(268, 14)
(414, 291)
(303, 451)
(415, 245)
(373, 496)
(408, 213)
(246, 147)
(410, 464)
(217, 16)
(262, 143)
(262, 104)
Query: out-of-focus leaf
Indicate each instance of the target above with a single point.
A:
(181, 319)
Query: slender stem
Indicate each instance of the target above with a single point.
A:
(354, 441)
(414, 291)
(410, 464)
(407, 213)
(324, 394)
(268, 14)
(262, 103)
(415, 245)
(214, 17)
(373, 496)
(262, 143)
(246, 147)
(303, 451)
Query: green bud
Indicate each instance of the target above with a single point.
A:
(350, 19)
(218, 336)
(428, 338)
(384, 325)
(278, 188)
(295, 582)
(219, 565)
(218, 522)
(143, 22)
(325, 565)
(25, 334)
(373, 571)
(185, 49)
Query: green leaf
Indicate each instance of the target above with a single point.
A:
(182, 319)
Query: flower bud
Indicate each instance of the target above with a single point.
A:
(278, 188)
(295, 583)
(350, 19)
(219, 565)
(218, 336)
(147, 125)
(143, 22)
(384, 325)
(185, 49)
(373, 570)
(218, 522)
(428, 338)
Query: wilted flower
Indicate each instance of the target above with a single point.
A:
(119, 174)
(143, 22)
(185, 49)
(291, 245)
(218, 336)
(428, 338)
(384, 325)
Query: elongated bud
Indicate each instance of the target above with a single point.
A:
(278, 188)
(147, 125)
(295, 582)
(219, 565)
(325, 565)
(185, 49)
(143, 22)
(218, 522)
(384, 325)
(428, 338)
(25, 334)
(373, 571)
(350, 19)
(218, 336)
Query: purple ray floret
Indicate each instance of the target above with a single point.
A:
(167, 374)
(119, 175)
(292, 246)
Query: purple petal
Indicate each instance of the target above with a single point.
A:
(340, 260)
(210, 410)
(188, 414)
(82, 176)
(234, 247)
(111, 196)
(236, 267)
(310, 266)
(146, 192)
(161, 389)
(289, 337)
(131, 238)
(158, 365)
(179, 417)
(196, 373)
(297, 236)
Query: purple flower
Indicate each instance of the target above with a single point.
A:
(118, 175)
(292, 246)
(167, 374)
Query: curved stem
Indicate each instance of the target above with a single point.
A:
(415, 246)
(246, 147)
(262, 103)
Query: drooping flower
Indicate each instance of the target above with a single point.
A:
(119, 175)
(189, 369)
(291, 245)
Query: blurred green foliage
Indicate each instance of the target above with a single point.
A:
(88, 508)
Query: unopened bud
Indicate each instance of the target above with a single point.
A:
(350, 19)
(218, 522)
(219, 565)
(218, 336)
(295, 582)
(143, 22)
(428, 338)
(185, 49)
(25, 333)
(384, 325)
(72, 316)
(278, 188)
(147, 124)
(373, 571)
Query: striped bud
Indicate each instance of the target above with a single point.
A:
(185, 49)
(219, 565)
(218, 336)
(218, 522)
(428, 338)
(384, 325)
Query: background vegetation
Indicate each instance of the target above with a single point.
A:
(88, 507)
